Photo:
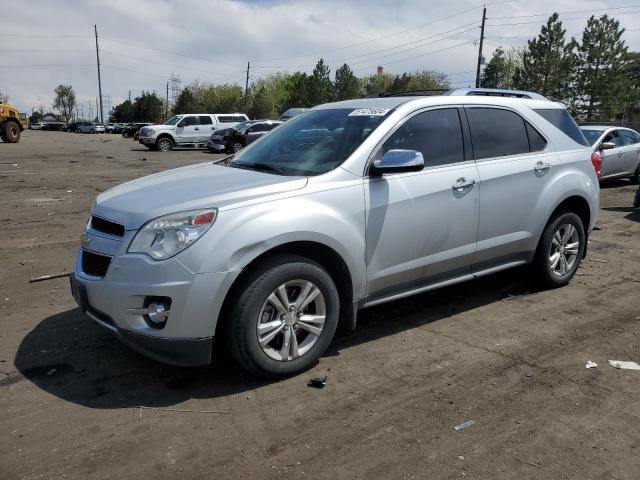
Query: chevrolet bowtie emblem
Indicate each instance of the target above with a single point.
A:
(86, 240)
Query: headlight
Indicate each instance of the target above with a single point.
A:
(167, 236)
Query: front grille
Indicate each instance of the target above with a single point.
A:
(95, 264)
(107, 226)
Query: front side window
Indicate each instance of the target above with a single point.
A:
(313, 143)
(613, 137)
(628, 138)
(437, 134)
(497, 133)
(189, 121)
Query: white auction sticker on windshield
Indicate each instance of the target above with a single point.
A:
(367, 112)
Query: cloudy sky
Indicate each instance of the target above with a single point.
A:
(144, 42)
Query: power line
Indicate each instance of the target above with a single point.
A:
(539, 22)
(42, 36)
(562, 13)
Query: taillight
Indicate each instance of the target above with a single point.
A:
(596, 161)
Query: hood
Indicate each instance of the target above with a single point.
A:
(203, 185)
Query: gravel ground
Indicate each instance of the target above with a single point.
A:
(495, 351)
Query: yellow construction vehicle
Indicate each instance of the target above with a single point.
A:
(12, 123)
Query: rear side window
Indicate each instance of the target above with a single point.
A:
(497, 133)
(563, 121)
(239, 118)
(205, 120)
(437, 134)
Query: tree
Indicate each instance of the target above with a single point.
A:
(35, 117)
(548, 63)
(602, 81)
(346, 85)
(185, 103)
(3, 98)
(148, 107)
(501, 70)
(65, 101)
(122, 113)
(296, 86)
(320, 88)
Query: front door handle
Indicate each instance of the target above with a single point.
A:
(541, 167)
(619, 154)
(462, 184)
(197, 128)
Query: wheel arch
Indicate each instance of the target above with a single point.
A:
(165, 135)
(580, 206)
(317, 252)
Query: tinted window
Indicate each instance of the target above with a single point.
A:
(239, 118)
(613, 137)
(497, 133)
(592, 135)
(259, 127)
(226, 119)
(628, 138)
(436, 133)
(205, 120)
(537, 142)
(563, 120)
(188, 121)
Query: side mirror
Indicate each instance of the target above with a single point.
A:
(607, 145)
(397, 161)
(181, 124)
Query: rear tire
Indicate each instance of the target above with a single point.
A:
(236, 147)
(560, 250)
(271, 335)
(125, 135)
(11, 132)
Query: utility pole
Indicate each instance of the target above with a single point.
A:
(129, 95)
(484, 17)
(166, 105)
(246, 85)
(99, 79)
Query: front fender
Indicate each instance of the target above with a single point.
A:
(334, 218)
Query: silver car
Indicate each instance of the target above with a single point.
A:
(619, 149)
(88, 127)
(349, 205)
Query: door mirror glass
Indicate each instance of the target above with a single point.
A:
(397, 161)
(182, 124)
(607, 145)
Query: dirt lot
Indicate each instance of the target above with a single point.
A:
(494, 351)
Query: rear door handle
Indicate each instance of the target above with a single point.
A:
(541, 167)
(462, 184)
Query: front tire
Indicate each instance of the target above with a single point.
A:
(164, 144)
(560, 250)
(11, 132)
(236, 147)
(284, 317)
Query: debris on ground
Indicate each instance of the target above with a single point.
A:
(49, 277)
(464, 425)
(317, 382)
(591, 364)
(624, 365)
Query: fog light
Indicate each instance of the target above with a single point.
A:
(155, 311)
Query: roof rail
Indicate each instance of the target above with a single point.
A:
(409, 93)
(496, 92)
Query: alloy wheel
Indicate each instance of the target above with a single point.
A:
(564, 250)
(164, 145)
(291, 320)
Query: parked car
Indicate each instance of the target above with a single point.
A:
(232, 140)
(619, 149)
(131, 129)
(72, 127)
(187, 129)
(108, 128)
(36, 126)
(118, 127)
(89, 127)
(292, 112)
(275, 246)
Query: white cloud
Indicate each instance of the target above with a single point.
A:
(267, 33)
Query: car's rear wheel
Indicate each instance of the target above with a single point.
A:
(11, 132)
(560, 250)
(284, 317)
(236, 147)
(92, 131)
(125, 135)
(164, 144)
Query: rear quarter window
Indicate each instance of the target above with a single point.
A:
(564, 122)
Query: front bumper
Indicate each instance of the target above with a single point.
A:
(173, 351)
(131, 280)
(147, 140)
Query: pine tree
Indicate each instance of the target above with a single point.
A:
(602, 80)
(346, 85)
(548, 63)
(320, 88)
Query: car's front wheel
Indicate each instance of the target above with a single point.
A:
(284, 317)
(560, 250)
(236, 147)
(164, 144)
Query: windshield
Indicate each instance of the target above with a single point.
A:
(241, 127)
(173, 120)
(592, 135)
(312, 143)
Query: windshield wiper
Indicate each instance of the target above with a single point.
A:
(259, 166)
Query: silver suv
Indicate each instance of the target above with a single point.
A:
(348, 205)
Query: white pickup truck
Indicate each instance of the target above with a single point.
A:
(189, 129)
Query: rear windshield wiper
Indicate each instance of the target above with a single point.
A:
(259, 166)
